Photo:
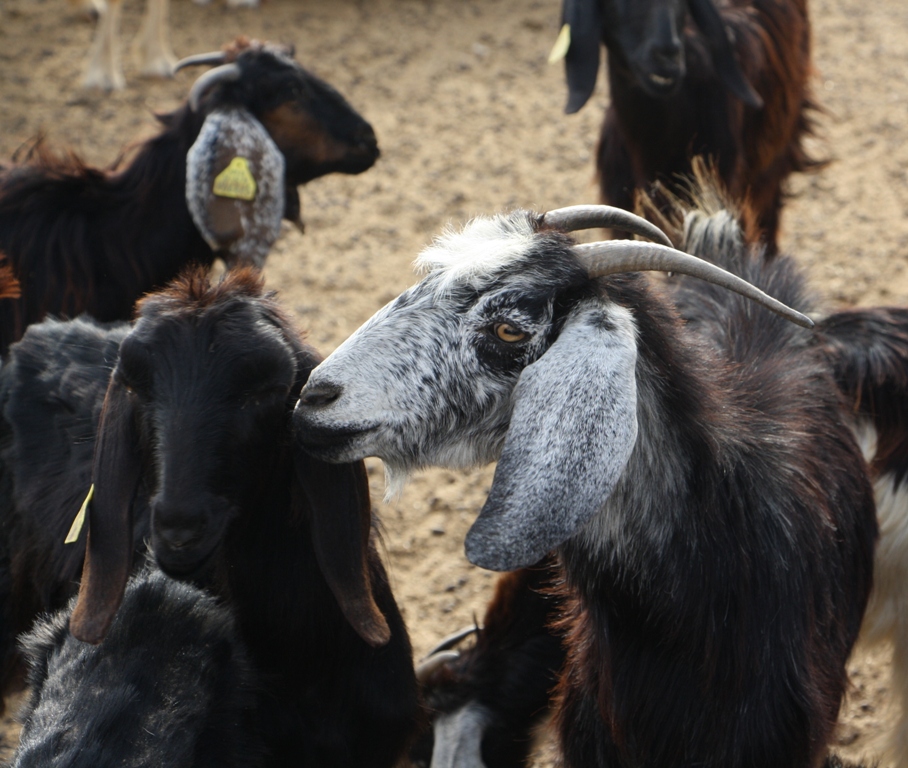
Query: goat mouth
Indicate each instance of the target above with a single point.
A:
(332, 443)
(184, 566)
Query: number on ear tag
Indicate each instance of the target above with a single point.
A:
(76, 528)
(562, 45)
(236, 181)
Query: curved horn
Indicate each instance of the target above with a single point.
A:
(428, 665)
(448, 642)
(209, 59)
(577, 217)
(615, 256)
(224, 73)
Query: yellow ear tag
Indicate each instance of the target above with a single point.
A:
(236, 181)
(73, 536)
(562, 45)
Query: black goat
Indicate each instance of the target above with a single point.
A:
(170, 686)
(734, 88)
(705, 495)
(51, 389)
(80, 239)
(194, 447)
(487, 700)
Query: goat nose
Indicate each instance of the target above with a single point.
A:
(177, 537)
(320, 394)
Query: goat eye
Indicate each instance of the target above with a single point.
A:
(507, 332)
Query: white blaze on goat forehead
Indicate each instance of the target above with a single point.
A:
(482, 248)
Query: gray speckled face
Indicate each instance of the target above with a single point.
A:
(429, 379)
(504, 351)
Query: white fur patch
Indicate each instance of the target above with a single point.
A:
(484, 247)
(458, 738)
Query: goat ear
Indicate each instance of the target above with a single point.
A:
(708, 18)
(235, 186)
(108, 555)
(581, 63)
(340, 523)
(572, 431)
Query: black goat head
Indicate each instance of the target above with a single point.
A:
(197, 410)
(314, 127)
(647, 38)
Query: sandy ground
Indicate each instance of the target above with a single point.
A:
(469, 117)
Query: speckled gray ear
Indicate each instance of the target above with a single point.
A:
(235, 186)
(572, 431)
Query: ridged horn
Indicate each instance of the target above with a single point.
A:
(615, 256)
(428, 665)
(578, 217)
(209, 59)
(448, 642)
(224, 73)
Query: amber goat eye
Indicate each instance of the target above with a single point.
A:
(509, 333)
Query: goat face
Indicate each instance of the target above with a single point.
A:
(505, 348)
(314, 127)
(197, 410)
(194, 438)
(647, 39)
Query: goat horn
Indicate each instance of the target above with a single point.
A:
(616, 256)
(202, 60)
(224, 73)
(448, 642)
(428, 665)
(592, 216)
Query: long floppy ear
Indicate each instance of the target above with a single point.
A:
(581, 63)
(235, 186)
(108, 555)
(708, 18)
(340, 522)
(572, 431)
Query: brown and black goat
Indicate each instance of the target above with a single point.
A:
(80, 239)
(731, 85)
(708, 503)
(193, 452)
(867, 349)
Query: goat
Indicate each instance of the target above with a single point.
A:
(735, 88)
(488, 700)
(867, 349)
(79, 239)
(193, 452)
(171, 681)
(707, 500)
(105, 70)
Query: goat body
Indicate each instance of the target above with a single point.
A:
(708, 501)
(193, 451)
(80, 239)
(171, 683)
